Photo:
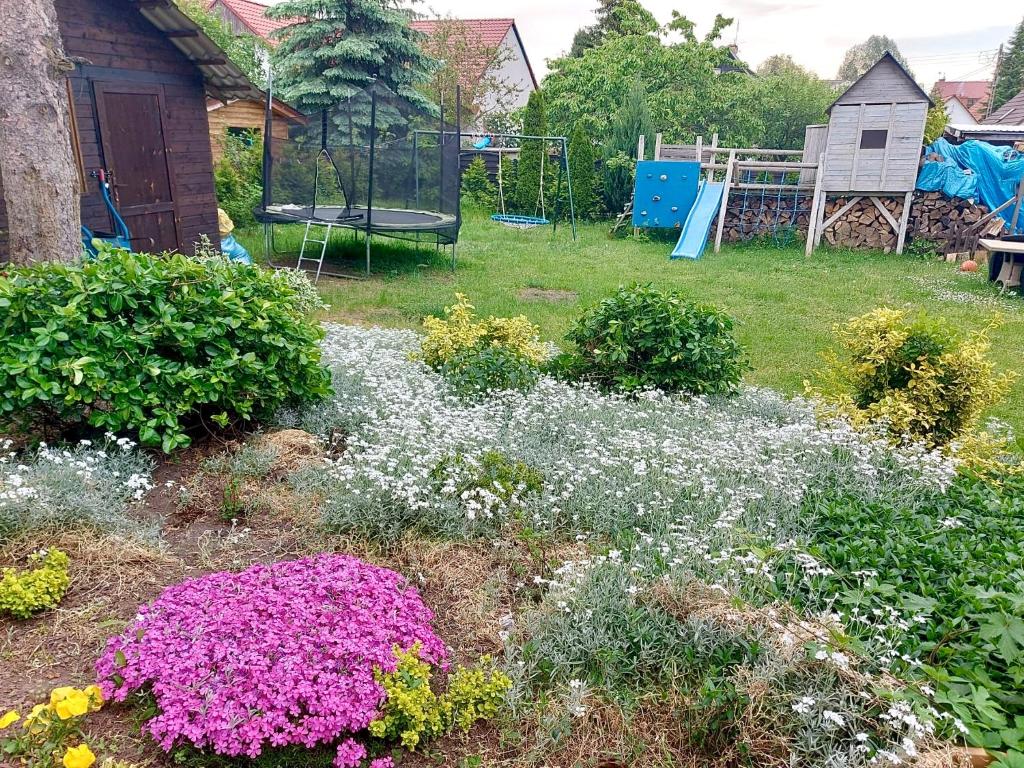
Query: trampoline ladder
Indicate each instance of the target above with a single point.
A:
(323, 247)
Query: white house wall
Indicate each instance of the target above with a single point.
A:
(514, 72)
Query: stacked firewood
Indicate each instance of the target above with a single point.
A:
(939, 218)
(759, 216)
(863, 225)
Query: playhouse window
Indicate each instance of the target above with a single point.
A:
(873, 139)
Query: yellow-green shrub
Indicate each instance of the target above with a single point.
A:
(916, 377)
(460, 330)
(412, 712)
(23, 593)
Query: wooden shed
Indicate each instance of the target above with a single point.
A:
(138, 99)
(872, 149)
(240, 116)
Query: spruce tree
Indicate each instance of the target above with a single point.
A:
(581, 171)
(477, 188)
(532, 153)
(337, 48)
(631, 121)
(1010, 74)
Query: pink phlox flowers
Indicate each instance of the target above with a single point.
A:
(274, 655)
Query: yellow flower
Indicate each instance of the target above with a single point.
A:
(79, 757)
(95, 697)
(59, 694)
(37, 713)
(9, 719)
(75, 704)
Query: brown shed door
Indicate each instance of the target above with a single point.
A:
(135, 153)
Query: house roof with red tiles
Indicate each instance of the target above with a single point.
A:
(487, 33)
(973, 94)
(250, 15)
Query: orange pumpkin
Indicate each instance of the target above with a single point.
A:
(969, 266)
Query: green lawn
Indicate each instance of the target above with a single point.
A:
(785, 304)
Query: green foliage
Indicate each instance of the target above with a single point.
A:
(614, 17)
(938, 118)
(238, 177)
(340, 47)
(477, 188)
(532, 154)
(244, 50)
(496, 474)
(632, 120)
(157, 345)
(36, 589)
(916, 377)
(862, 56)
(304, 295)
(642, 338)
(956, 561)
(1009, 77)
(582, 172)
(412, 713)
(475, 372)
(460, 331)
(779, 104)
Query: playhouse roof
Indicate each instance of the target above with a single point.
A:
(886, 61)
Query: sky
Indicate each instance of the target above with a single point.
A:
(940, 37)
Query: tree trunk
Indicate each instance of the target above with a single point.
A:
(37, 166)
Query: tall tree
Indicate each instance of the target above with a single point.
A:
(246, 51)
(1009, 77)
(938, 117)
(614, 17)
(335, 48)
(631, 121)
(532, 157)
(582, 172)
(862, 56)
(781, 102)
(40, 180)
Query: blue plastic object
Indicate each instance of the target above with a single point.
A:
(234, 250)
(524, 222)
(120, 237)
(974, 170)
(664, 193)
(694, 237)
(484, 143)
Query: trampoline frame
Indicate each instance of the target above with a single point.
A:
(348, 217)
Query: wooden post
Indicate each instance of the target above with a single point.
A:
(641, 148)
(816, 202)
(657, 146)
(902, 239)
(714, 157)
(725, 200)
(1016, 208)
(700, 151)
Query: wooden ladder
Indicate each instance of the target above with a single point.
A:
(306, 239)
(624, 218)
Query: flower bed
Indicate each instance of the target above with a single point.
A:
(275, 655)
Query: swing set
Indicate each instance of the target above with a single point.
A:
(540, 214)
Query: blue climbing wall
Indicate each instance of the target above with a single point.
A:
(664, 194)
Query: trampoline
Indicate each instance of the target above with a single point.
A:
(363, 165)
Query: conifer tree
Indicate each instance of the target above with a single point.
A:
(1010, 74)
(631, 121)
(581, 171)
(334, 49)
(532, 153)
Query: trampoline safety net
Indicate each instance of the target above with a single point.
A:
(366, 164)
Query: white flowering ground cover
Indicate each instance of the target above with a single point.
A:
(670, 495)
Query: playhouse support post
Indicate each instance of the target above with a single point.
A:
(817, 204)
(729, 166)
(901, 240)
(700, 151)
(1017, 207)
(641, 147)
(713, 158)
(657, 146)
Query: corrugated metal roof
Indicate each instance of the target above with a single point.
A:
(222, 78)
(985, 128)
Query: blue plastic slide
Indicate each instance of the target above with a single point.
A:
(694, 236)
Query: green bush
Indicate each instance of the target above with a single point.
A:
(238, 177)
(477, 188)
(643, 338)
(157, 345)
(38, 588)
(477, 371)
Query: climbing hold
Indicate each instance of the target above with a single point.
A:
(643, 213)
(675, 209)
(657, 198)
(664, 177)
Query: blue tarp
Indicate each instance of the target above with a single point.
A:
(974, 170)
